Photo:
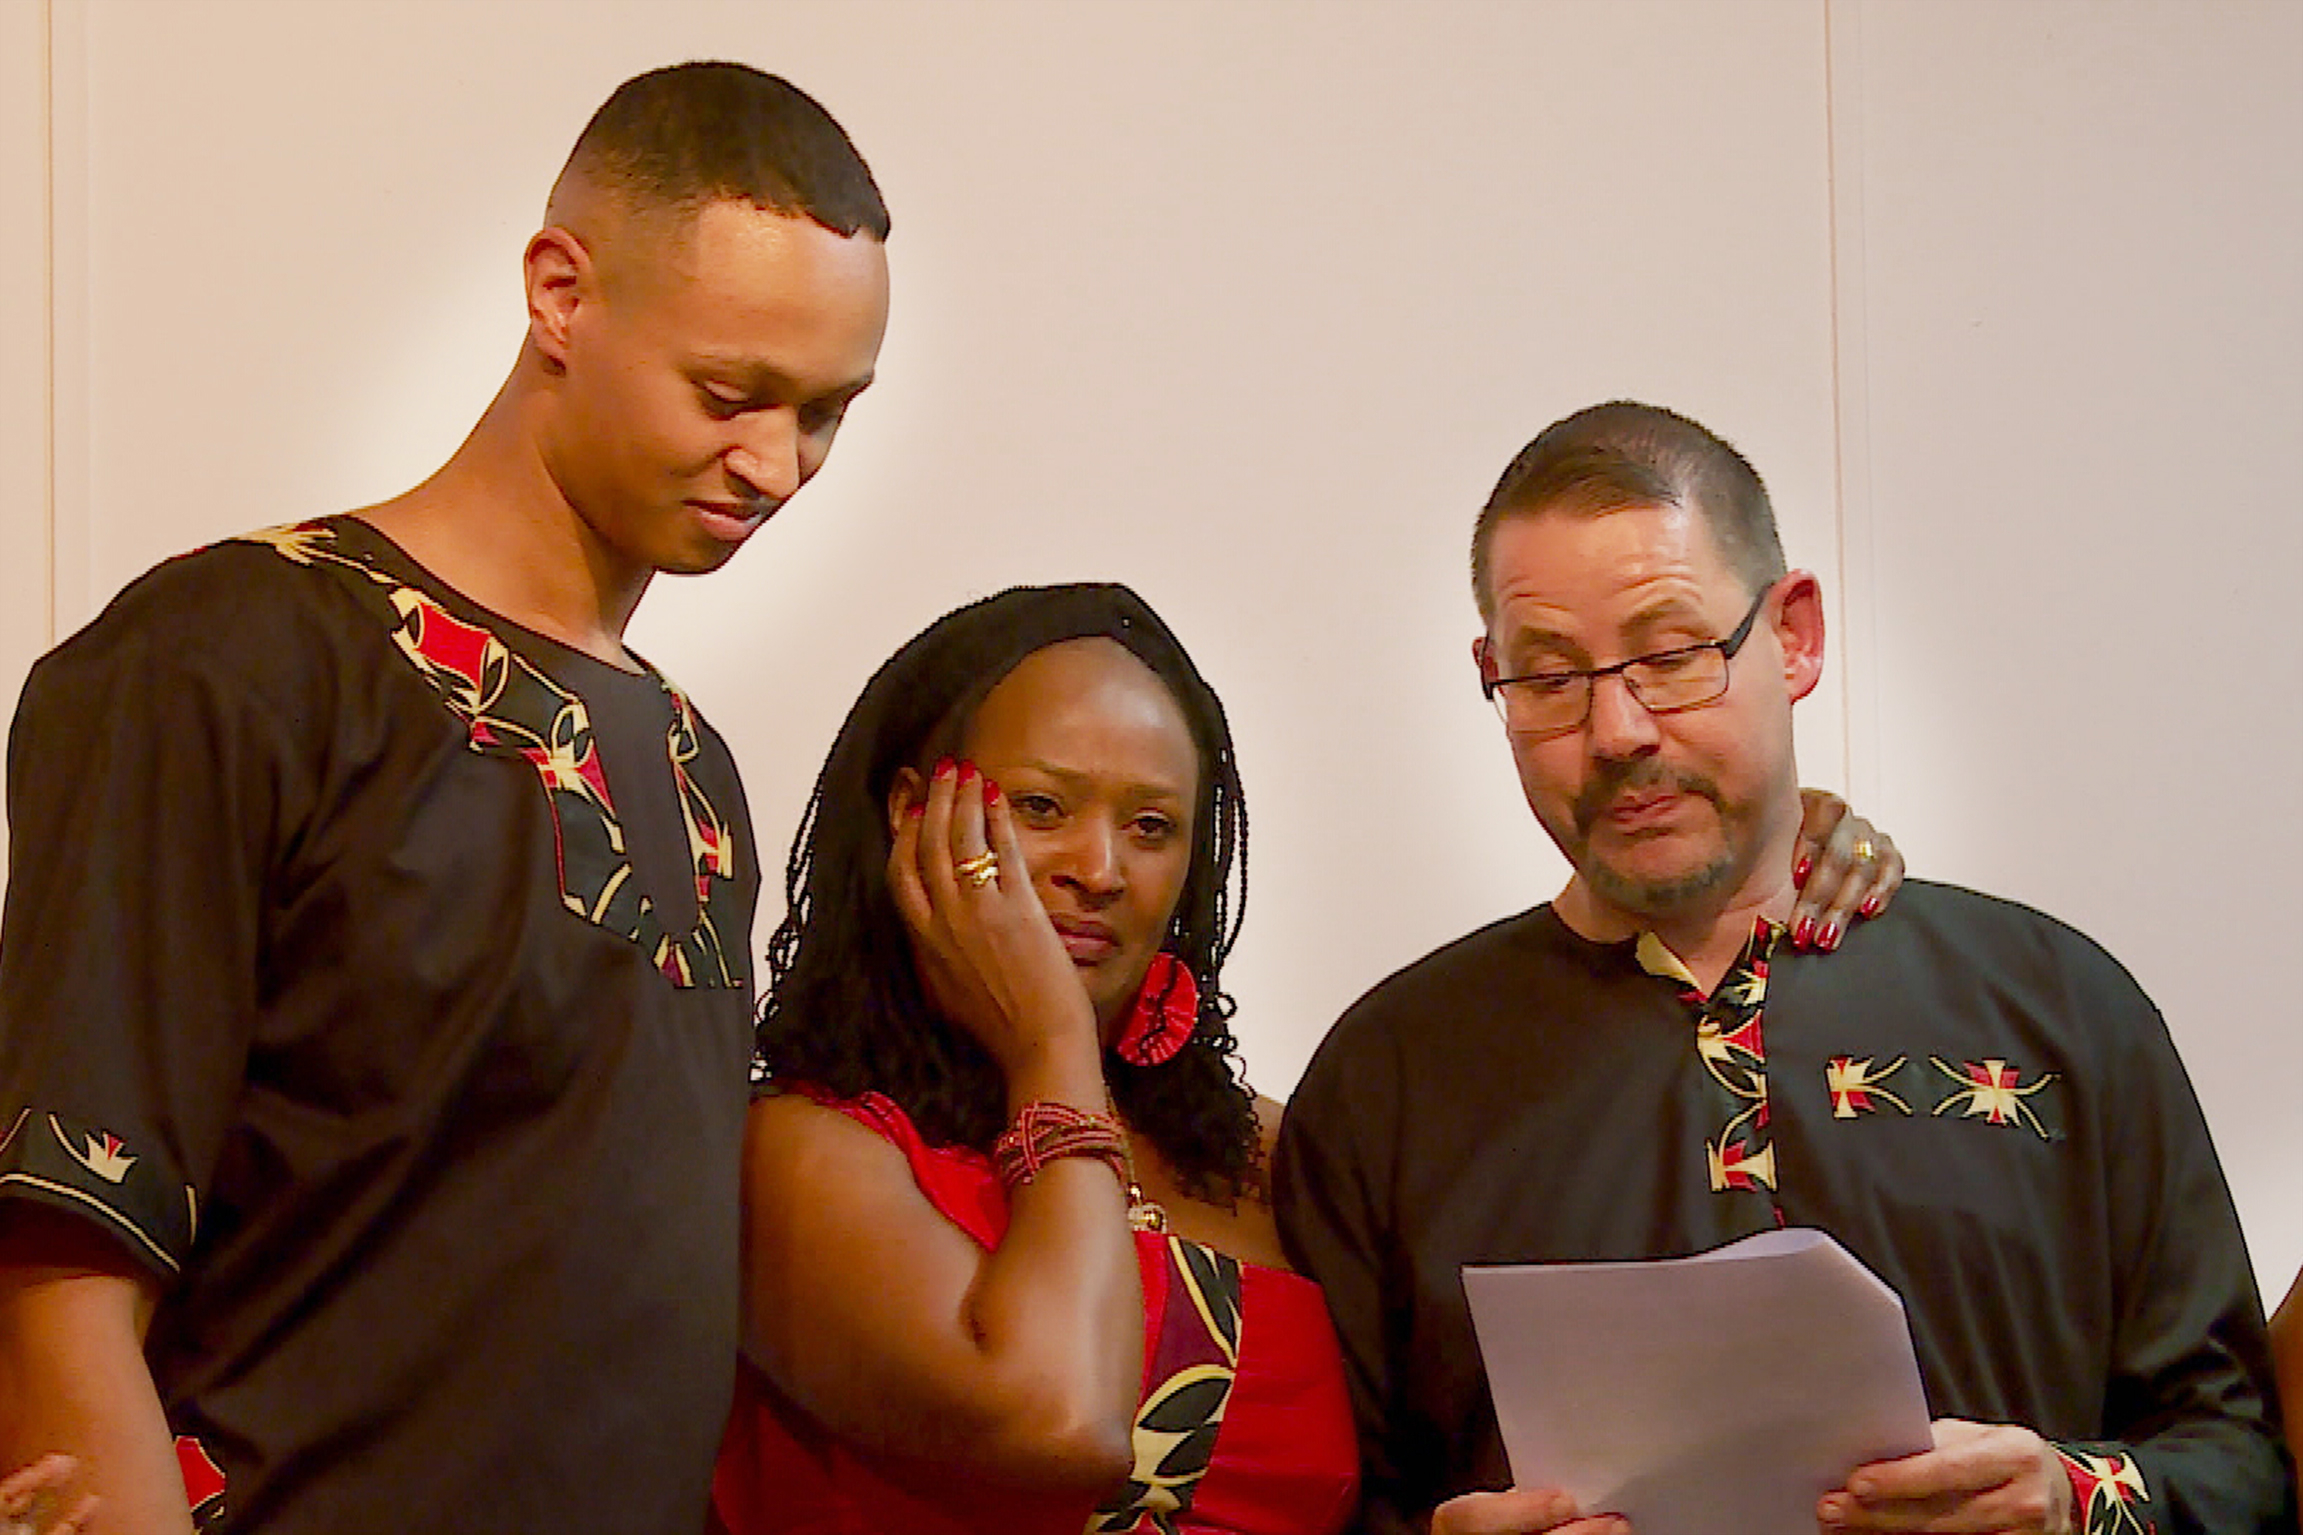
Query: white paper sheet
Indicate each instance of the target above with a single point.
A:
(1719, 1394)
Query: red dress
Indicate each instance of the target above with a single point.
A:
(1245, 1427)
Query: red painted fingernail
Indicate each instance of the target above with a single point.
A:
(943, 766)
(991, 794)
(1804, 931)
(1830, 938)
(919, 808)
(1805, 867)
(967, 772)
(1870, 906)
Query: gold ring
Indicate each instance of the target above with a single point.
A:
(980, 870)
(1864, 851)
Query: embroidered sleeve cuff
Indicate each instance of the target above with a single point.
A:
(2108, 1495)
(89, 1170)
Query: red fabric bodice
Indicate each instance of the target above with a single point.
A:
(1284, 1463)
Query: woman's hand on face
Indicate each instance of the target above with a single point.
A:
(1846, 870)
(989, 957)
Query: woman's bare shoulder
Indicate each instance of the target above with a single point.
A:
(791, 1139)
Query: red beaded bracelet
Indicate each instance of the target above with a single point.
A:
(1045, 1132)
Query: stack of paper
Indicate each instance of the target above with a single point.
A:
(1720, 1394)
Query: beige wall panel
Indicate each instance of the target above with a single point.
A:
(2085, 276)
(24, 342)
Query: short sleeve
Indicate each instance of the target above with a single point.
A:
(143, 795)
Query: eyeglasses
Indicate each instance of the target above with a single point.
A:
(1552, 703)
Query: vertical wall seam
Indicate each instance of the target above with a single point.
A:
(48, 317)
(71, 534)
(1850, 394)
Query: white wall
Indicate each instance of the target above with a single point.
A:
(2084, 342)
(1247, 305)
(26, 622)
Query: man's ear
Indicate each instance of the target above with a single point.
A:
(1798, 627)
(908, 790)
(560, 276)
(1483, 657)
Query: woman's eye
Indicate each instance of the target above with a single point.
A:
(1154, 828)
(1035, 809)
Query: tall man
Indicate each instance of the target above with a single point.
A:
(1973, 1099)
(374, 1009)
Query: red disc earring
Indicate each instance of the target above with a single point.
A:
(1166, 1011)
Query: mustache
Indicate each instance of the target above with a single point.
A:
(1613, 779)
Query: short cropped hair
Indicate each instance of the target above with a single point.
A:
(692, 134)
(1612, 457)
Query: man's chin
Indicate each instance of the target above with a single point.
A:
(1658, 889)
(700, 561)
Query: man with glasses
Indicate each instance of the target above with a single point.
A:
(1973, 1099)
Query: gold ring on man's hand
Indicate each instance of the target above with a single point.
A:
(980, 870)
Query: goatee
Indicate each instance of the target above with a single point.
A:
(1666, 896)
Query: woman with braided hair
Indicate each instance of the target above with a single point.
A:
(1010, 1261)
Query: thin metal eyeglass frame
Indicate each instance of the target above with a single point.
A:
(1492, 688)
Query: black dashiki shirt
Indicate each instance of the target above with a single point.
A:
(372, 972)
(1973, 1099)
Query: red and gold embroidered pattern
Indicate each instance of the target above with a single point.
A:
(509, 707)
(1730, 1040)
(1192, 1364)
(1859, 1087)
(152, 1215)
(1994, 1091)
(2107, 1490)
(106, 1155)
(204, 1484)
